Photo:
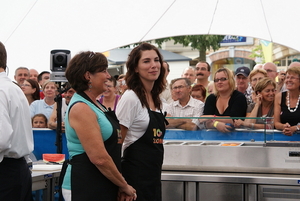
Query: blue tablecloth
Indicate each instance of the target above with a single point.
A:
(44, 143)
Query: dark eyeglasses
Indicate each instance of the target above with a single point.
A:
(222, 79)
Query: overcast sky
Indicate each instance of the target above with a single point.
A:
(30, 29)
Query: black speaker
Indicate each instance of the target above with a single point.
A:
(59, 60)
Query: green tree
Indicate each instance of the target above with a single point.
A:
(196, 42)
(257, 52)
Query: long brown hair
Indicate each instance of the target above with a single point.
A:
(35, 85)
(133, 80)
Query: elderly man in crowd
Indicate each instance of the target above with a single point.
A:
(189, 73)
(184, 106)
(21, 74)
(271, 69)
(33, 74)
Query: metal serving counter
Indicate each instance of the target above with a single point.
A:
(244, 165)
(233, 157)
(212, 186)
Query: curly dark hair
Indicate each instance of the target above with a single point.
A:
(92, 62)
(133, 80)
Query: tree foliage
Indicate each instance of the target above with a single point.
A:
(196, 42)
(257, 52)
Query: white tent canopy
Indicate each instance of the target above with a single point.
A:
(31, 29)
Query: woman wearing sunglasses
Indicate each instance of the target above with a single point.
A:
(225, 102)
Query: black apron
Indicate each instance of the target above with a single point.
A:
(87, 182)
(142, 160)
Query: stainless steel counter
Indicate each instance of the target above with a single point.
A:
(276, 179)
(255, 157)
(217, 186)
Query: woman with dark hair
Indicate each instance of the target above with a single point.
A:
(142, 122)
(110, 98)
(225, 102)
(31, 90)
(93, 136)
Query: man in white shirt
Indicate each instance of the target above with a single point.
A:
(184, 106)
(16, 139)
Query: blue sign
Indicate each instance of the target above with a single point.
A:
(234, 39)
(298, 181)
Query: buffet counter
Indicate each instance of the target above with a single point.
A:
(242, 165)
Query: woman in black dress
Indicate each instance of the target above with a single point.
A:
(286, 111)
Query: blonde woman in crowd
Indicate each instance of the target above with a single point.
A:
(254, 76)
(225, 102)
(46, 105)
(287, 110)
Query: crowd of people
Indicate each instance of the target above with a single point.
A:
(104, 116)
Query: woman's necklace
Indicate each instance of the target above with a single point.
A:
(288, 103)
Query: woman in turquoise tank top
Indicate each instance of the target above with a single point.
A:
(93, 136)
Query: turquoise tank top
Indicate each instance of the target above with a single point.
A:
(73, 143)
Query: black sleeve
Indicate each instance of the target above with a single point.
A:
(238, 105)
(210, 105)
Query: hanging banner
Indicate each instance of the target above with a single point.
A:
(267, 48)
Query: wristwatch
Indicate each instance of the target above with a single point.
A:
(298, 129)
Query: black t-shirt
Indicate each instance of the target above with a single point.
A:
(237, 105)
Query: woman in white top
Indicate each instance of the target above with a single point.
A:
(142, 122)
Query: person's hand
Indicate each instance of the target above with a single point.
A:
(288, 130)
(127, 193)
(253, 96)
(222, 127)
(125, 197)
(63, 126)
(258, 99)
(238, 123)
